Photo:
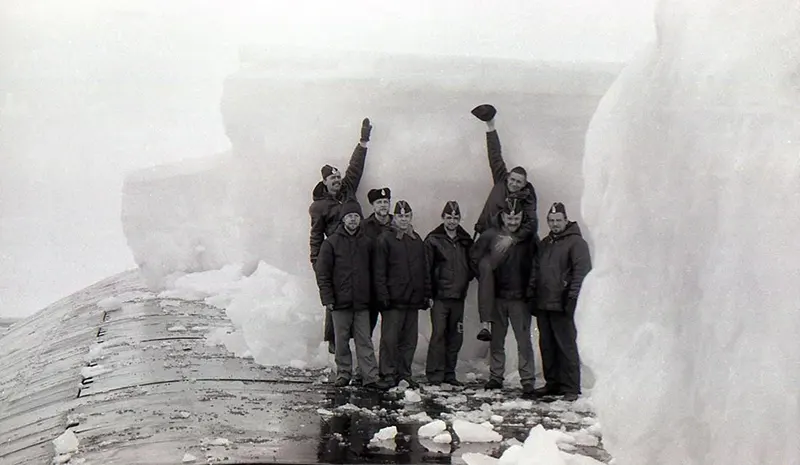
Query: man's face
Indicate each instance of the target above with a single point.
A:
(351, 222)
(512, 221)
(451, 222)
(557, 222)
(515, 182)
(333, 182)
(403, 220)
(381, 207)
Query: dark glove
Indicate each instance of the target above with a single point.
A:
(366, 129)
(385, 305)
(569, 307)
(484, 112)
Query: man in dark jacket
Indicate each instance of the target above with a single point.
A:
(328, 195)
(447, 248)
(512, 185)
(402, 284)
(379, 221)
(343, 272)
(512, 271)
(562, 262)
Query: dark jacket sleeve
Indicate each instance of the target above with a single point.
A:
(496, 163)
(530, 292)
(324, 271)
(430, 264)
(355, 169)
(380, 259)
(428, 278)
(581, 264)
(317, 231)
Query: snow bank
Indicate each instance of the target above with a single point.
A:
(690, 316)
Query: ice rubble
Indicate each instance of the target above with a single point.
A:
(692, 198)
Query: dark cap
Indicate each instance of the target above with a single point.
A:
(402, 207)
(328, 170)
(513, 206)
(484, 112)
(350, 206)
(557, 207)
(382, 193)
(451, 208)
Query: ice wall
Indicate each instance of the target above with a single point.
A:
(287, 116)
(691, 314)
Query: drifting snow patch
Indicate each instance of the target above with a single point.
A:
(443, 438)
(432, 429)
(215, 442)
(432, 446)
(385, 434)
(583, 438)
(95, 353)
(496, 419)
(541, 448)
(187, 457)
(91, 372)
(411, 396)
(472, 458)
(298, 364)
(67, 443)
(176, 328)
(110, 303)
(471, 432)
(512, 456)
(420, 417)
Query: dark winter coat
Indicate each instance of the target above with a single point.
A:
(499, 193)
(343, 269)
(324, 211)
(562, 262)
(401, 278)
(373, 228)
(512, 270)
(449, 263)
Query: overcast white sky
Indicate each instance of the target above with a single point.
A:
(92, 89)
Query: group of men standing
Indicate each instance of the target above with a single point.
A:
(381, 266)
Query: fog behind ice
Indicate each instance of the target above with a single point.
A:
(97, 89)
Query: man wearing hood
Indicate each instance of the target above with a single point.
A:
(344, 278)
(329, 194)
(402, 285)
(563, 261)
(511, 274)
(513, 185)
(447, 248)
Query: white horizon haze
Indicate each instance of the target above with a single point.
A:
(94, 90)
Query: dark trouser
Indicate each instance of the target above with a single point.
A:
(373, 321)
(447, 334)
(486, 297)
(330, 333)
(398, 343)
(518, 313)
(355, 323)
(558, 344)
